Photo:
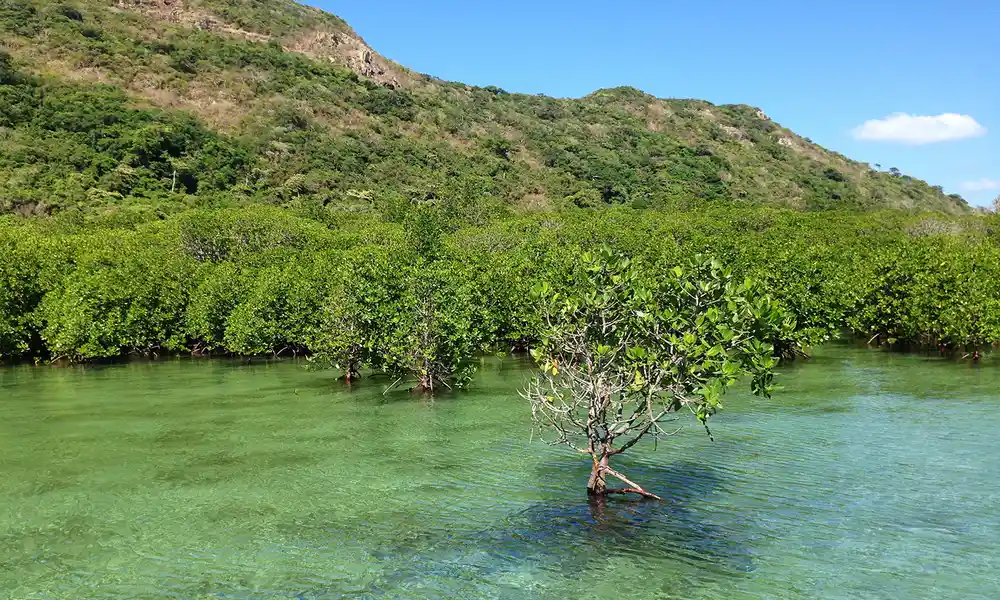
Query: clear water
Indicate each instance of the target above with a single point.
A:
(869, 476)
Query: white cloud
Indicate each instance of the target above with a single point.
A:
(981, 185)
(916, 129)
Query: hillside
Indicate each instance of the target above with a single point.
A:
(153, 106)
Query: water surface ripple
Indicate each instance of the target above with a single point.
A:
(869, 475)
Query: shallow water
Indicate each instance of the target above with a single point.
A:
(870, 475)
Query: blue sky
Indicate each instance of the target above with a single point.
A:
(822, 69)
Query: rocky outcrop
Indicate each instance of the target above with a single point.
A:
(350, 51)
(344, 48)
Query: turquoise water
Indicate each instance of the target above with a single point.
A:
(870, 475)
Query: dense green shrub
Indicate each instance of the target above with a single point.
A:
(125, 295)
(28, 268)
(420, 298)
(432, 331)
(281, 309)
(413, 314)
(367, 284)
(221, 288)
(215, 236)
(385, 101)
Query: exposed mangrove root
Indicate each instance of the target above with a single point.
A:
(350, 377)
(634, 488)
(629, 490)
(596, 487)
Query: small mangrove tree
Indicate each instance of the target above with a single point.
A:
(624, 348)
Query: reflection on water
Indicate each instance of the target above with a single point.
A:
(869, 475)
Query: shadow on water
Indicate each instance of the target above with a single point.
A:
(675, 528)
(567, 539)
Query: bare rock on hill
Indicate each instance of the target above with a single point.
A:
(350, 51)
(344, 48)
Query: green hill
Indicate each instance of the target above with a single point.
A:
(144, 107)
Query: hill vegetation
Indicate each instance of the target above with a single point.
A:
(249, 178)
(140, 108)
